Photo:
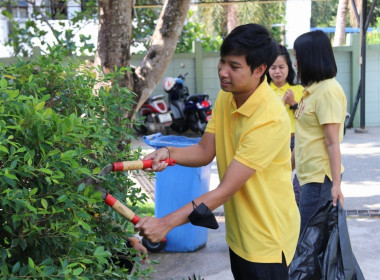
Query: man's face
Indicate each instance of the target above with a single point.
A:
(235, 75)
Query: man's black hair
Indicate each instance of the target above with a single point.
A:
(315, 57)
(254, 41)
(291, 78)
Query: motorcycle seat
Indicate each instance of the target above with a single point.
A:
(153, 98)
(195, 97)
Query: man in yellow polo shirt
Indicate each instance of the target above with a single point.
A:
(249, 135)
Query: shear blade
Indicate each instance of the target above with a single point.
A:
(106, 169)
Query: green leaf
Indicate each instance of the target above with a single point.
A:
(16, 267)
(11, 176)
(33, 191)
(99, 250)
(3, 83)
(96, 170)
(84, 225)
(62, 198)
(31, 208)
(40, 105)
(8, 229)
(87, 261)
(48, 112)
(10, 77)
(31, 262)
(12, 94)
(22, 149)
(23, 244)
(81, 187)
(45, 170)
(44, 203)
(100, 253)
(4, 271)
(4, 149)
(48, 270)
(78, 271)
(15, 242)
(54, 152)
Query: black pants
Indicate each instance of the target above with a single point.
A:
(246, 270)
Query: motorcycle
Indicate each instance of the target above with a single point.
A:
(188, 111)
(156, 116)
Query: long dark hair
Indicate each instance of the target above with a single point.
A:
(315, 57)
(291, 78)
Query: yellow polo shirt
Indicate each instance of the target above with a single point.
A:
(262, 218)
(280, 91)
(322, 103)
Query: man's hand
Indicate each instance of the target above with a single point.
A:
(136, 244)
(157, 156)
(153, 229)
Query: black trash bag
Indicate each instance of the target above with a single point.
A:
(203, 217)
(324, 249)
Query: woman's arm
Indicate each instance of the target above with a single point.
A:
(333, 149)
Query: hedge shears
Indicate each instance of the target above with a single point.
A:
(116, 204)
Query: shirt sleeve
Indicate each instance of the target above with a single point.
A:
(211, 123)
(330, 107)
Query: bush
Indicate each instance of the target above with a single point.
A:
(54, 131)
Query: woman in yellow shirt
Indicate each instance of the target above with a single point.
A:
(281, 77)
(319, 124)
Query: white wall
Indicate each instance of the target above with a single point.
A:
(297, 18)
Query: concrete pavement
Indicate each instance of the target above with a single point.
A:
(361, 187)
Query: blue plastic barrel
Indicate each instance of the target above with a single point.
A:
(176, 186)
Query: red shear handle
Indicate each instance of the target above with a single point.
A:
(123, 210)
(138, 164)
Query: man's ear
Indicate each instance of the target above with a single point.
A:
(260, 70)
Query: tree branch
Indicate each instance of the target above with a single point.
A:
(162, 47)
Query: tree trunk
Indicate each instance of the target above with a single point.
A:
(340, 23)
(114, 39)
(114, 36)
(161, 48)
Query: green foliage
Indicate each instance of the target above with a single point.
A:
(24, 34)
(373, 38)
(147, 208)
(214, 17)
(195, 31)
(144, 23)
(55, 130)
(323, 13)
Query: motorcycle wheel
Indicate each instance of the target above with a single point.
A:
(166, 130)
(141, 129)
(179, 125)
(196, 125)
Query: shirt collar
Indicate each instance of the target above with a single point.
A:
(254, 100)
(283, 88)
(315, 87)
